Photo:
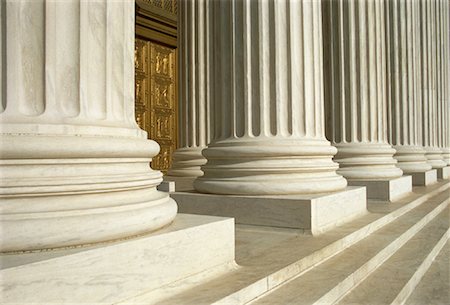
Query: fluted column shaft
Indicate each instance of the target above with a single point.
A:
(194, 88)
(404, 100)
(355, 100)
(430, 90)
(269, 131)
(444, 128)
(75, 165)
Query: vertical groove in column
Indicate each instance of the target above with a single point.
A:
(290, 155)
(93, 58)
(363, 151)
(403, 100)
(129, 33)
(202, 87)
(2, 56)
(115, 49)
(25, 57)
(67, 78)
(254, 60)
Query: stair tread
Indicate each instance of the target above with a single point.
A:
(383, 285)
(311, 286)
(268, 257)
(434, 288)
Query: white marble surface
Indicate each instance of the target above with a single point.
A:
(424, 178)
(403, 56)
(268, 102)
(443, 173)
(314, 213)
(110, 273)
(354, 78)
(270, 257)
(330, 281)
(74, 163)
(195, 116)
(389, 189)
(401, 273)
(434, 287)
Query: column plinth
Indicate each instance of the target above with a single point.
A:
(269, 136)
(75, 165)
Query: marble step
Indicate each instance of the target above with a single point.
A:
(331, 280)
(434, 287)
(394, 280)
(280, 262)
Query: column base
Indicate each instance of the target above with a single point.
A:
(424, 178)
(61, 191)
(112, 273)
(389, 189)
(443, 173)
(314, 213)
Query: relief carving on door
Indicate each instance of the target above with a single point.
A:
(156, 101)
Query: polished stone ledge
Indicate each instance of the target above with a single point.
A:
(313, 214)
(110, 273)
(389, 189)
(443, 173)
(424, 178)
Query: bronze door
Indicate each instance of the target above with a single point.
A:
(156, 78)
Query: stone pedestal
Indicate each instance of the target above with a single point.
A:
(110, 273)
(312, 214)
(425, 178)
(443, 173)
(355, 93)
(388, 190)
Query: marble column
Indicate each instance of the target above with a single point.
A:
(429, 84)
(404, 100)
(194, 96)
(268, 96)
(355, 77)
(75, 165)
(444, 129)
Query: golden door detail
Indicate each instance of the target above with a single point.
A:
(156, 104)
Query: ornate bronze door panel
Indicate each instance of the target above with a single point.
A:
(156, 77)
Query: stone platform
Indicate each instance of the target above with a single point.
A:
(114, 272)
(424, 178)
(390, 190)
(312, 214)
(443, 173)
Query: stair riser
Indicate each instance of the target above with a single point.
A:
(352, 281)
(298, 268)
(415, 279)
